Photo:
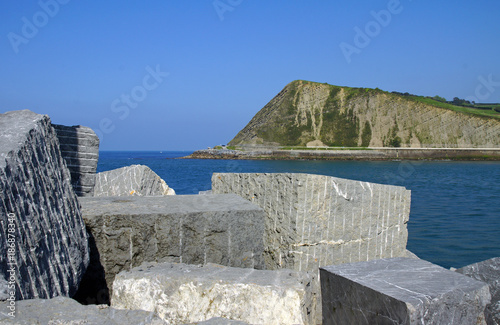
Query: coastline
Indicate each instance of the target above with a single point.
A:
(466, 154)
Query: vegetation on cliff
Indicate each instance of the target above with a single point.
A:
(309, 113)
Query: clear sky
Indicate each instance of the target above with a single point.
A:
(183, 75)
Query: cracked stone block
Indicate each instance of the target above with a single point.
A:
(180, 293)
(400, 291)
(80, 149)
(316, 220)
(40, 219)
(66, 311)
(134, 180)
(195, 229)
(489, 272)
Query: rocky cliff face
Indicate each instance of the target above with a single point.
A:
(320, 114)
(43, 239)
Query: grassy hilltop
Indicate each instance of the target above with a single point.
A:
(315, 114)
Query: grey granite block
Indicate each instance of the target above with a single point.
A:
(400, 291)
(315, 220)
(195, 229)
(181, 293)
(66, 311)
(136, 180)
(80, 149)
(40, 219)
(220, 321)
(489, 272)
(4, 288)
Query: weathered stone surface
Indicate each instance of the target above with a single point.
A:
(4, 288)
(80, 149)
(39, 212)
(410, 254)
(220, 321)
(400, 291)
(66, 311)
(489, 272)
(132, 180)
(315, 220)
(195, 229)
(181, 293)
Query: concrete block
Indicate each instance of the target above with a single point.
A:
(181, 293)
(137, 180)
(195, 229)
(315, 220)
(489, 272)
(220, 321)
(66, 311)
(80, 149)
(400, 291)
(40, 219)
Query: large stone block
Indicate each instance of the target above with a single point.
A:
(489, 272)
(400, 291)
(220, 321)
(315, 220)
(80, 149)
(181, 293)
(40, 219)
(195, 229)
(136, 180)
(66, 311)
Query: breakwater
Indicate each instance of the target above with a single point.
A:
(351, 154)
(318, 222)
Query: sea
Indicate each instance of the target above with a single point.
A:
(455, 205)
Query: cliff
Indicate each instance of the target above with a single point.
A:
(314, 114)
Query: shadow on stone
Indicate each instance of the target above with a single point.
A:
(80, 149)
(93, 288)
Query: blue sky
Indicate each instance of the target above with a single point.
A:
(184, 75)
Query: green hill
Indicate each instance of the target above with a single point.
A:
(309, 113)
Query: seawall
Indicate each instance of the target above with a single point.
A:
(352, 154)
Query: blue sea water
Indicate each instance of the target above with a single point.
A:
(455, 210)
